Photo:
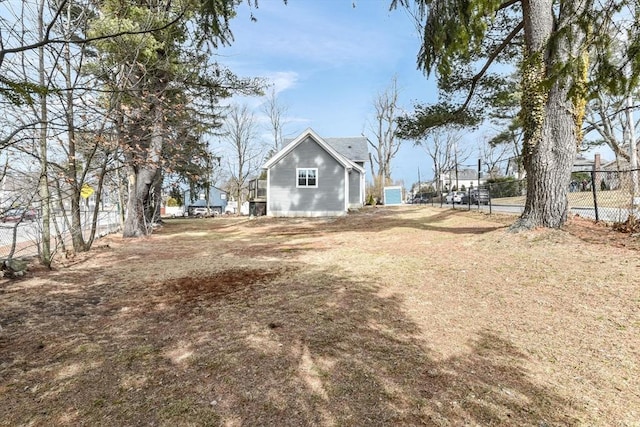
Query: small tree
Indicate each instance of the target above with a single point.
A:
(276, 112)
(386, 144)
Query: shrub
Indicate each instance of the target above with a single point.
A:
(505, 187)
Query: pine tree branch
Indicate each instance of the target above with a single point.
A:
(475, 79)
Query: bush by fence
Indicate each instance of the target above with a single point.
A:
(505, 187)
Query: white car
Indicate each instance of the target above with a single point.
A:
(454, 197)
(200, 212)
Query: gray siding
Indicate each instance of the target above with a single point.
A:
(354, 188)
(285, 198)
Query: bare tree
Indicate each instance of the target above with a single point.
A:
(606, 115)
(492, 155)
(445, 152)
(240, 134)
(276, 112)
(384, 127)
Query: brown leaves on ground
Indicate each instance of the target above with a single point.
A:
(390, 316)
(630, 225)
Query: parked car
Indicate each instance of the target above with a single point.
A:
(200, 212)
(18, 215)
(476, 197)
(420, 200)
(204, 212)
(454, 197)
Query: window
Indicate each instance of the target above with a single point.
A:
(307, 177)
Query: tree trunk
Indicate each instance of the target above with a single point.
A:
(46, 255)
(136, 223)
(548, 166)
(96, 209)
(550, 139)
(141, 180)
(77, 237)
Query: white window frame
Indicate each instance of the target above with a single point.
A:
(306, 169)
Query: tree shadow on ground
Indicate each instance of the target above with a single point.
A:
(386, 218)
(289, 346)
(370, 220)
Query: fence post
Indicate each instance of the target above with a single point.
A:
(593, 190)
(490, 197)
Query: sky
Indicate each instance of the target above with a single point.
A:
(327, 60)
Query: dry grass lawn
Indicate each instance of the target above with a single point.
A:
(390, 316)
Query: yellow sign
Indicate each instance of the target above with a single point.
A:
(86, 191)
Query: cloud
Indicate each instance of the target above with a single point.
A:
(282, 80)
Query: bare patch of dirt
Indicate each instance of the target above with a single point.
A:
(220, 284)
(389, 316)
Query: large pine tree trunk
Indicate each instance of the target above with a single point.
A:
(548, 165)
(142, 177)
(549, 122)
(140, 181)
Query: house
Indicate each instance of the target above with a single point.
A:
(314, 176)
(217, 200)
(460, 179)
(616, 175)
(583, 164)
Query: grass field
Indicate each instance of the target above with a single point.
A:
(387, 317)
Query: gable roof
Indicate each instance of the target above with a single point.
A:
(346, 145)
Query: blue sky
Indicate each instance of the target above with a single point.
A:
(328, 60)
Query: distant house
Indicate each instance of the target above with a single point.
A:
(314, 176)
(582, 164)
(217, 200)
(462, 178)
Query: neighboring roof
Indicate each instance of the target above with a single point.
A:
(463, 174)
(581, 162)
(211, 188)
(350, 146)
(621, 165)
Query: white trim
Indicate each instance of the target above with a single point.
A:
(298, 175)
(363, 185)
(346, 189)
(267, 198)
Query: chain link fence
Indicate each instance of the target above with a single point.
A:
(602, 195)
(23, 238)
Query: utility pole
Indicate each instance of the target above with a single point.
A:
(455, 159)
